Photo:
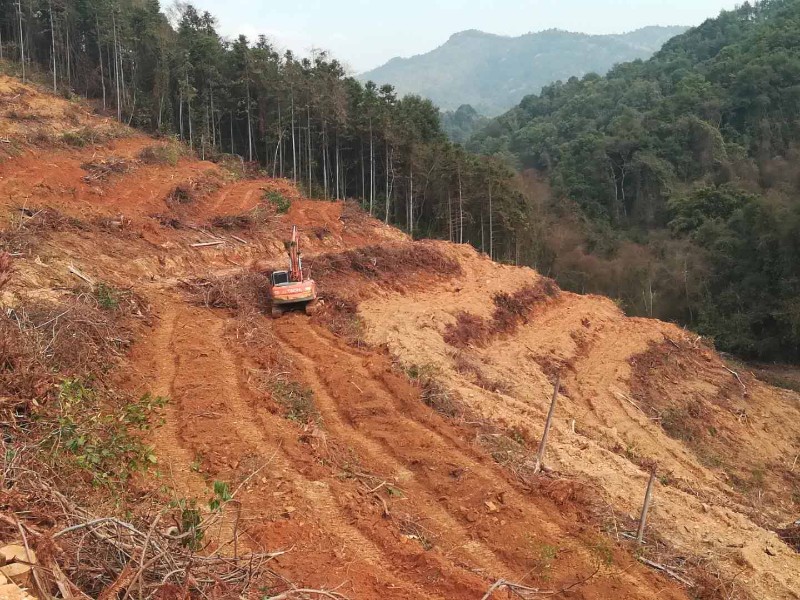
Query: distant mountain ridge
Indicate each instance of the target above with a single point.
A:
(492, 72)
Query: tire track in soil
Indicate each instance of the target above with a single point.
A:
(375, 411)
(384, 419)
(212, 418)
(172, 452)
(346, 424)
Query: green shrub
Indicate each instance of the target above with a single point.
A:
(279, 201)
(296, 399)
(79, 138)
(103, 442)
(160, 155)
(107, 297)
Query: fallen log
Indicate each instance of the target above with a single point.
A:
(72, 269)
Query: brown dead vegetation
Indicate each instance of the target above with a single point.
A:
(791, 535)
(249, 220)
(152, 554)
(193, 190)
(102, 169)
(405, 266)
(471, 368)
(242, 292)
(341, 318)
(23, 376)
(511, 311)
(353, 213)
(396, 266)
(711, 423)
(6, 269)
(31, 226)
(81, 333)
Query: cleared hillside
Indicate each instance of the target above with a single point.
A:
(379, 449)
(492, 73)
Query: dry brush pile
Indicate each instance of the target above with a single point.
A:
(511, 311)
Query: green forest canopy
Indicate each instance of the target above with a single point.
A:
(682, 172)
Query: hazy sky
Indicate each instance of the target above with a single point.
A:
(364, 34)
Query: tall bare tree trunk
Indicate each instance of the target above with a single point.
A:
(213, 120)
(386, 182)
(249, 127)
(100, 56)
(233, 147)
(121, 73)
(206, 132)
(69, 58)
(491, 228)
(338, 196)
(53, 43)
(324, 161)
(21, 39)
(371, 170)
(116, 65)
(363, 174)
(180, 112)
(483, 245)
(308, 138)
(461, 210)
(294, 145)
(449, 217)
(300, 153)
(280, 140)
(390, 191)
(411, 203)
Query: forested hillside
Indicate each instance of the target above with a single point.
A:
(494, 72)
(677, 181)
(460, 124)
(299, 118)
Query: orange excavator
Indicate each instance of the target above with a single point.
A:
(292, 289)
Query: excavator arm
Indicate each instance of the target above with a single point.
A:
(295, 261)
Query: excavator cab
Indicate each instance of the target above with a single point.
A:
(280, 278)
(292, 288)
